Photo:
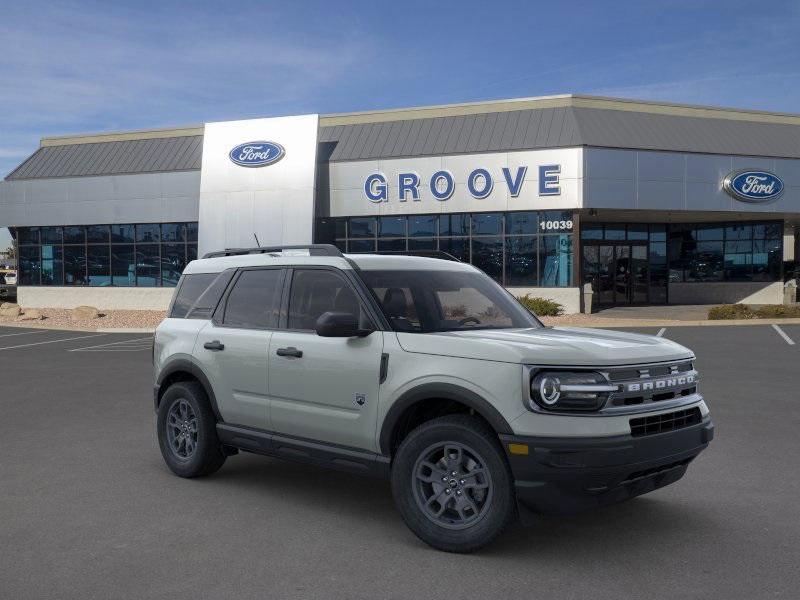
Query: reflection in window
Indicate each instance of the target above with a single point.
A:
(148, 265)
(74, 235)
(487, 255)
(726, 252)
(509, 246)
(104, 255)
(487, 224)
(391, 226)
(173, 261)
(52, 265)
(422, 226)
(555, 260)
(148, 233)
(362, 227)
(97, 234)
(99, 265)
(122, 234)
(29, 264)
(521, 264)
(75, 265)
(123, 265)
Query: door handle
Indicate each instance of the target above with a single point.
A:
(215, 345)
(290, 351)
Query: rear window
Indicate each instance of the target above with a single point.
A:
(199, 293)
(254, 301)
(190, 289)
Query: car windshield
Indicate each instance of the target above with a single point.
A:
(431, 301)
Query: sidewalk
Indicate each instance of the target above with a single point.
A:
(655, 316)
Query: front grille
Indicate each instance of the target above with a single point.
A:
(652, 383)
(652, 370)
(667, 422)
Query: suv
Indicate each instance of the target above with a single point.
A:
(424, 371)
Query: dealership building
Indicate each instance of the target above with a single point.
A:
(650, 203)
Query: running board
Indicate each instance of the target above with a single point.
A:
(331, 456)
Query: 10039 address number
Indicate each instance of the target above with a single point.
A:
(556, 225)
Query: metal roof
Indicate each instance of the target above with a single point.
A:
(560, 127)
(489, 132)
(520, 124)
(182, 153)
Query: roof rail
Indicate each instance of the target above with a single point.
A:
(313, 250)
(441, 254)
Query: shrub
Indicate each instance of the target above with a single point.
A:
(541, 307)
(731, 311)
(747, 311)
(778, 311)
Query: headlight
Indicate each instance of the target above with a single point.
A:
(570, 390)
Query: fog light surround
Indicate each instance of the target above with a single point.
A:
(569, 390)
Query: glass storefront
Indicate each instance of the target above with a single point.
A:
(633, 263)
(142, 255)
(517, 249)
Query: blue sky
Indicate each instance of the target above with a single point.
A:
(74, 67)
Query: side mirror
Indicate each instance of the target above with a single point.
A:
(339, 324)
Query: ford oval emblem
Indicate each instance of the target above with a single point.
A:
(257, 154)
(753, 186)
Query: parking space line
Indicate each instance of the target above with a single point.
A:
(782, 333)
(135, 344)
(661, 332)
(82, 337)
(24, 333)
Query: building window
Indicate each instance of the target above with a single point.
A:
(144, 254)
(726, 252)
(516, 249)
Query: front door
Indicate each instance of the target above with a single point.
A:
(618, 272)
(324, 388)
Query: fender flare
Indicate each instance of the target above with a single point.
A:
(447, 391)
(187, 366)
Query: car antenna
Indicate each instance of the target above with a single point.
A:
(257, 242)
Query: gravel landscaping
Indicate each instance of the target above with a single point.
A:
(59, 318)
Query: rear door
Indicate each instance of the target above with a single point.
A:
(232, 348)
(321, 388)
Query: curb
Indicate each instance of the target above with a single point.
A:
(608, 323)
(127, 330)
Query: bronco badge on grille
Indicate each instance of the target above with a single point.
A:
(661, 383)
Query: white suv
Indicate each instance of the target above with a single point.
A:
(425, 371)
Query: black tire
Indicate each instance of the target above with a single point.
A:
(419, 490)
(206, 455)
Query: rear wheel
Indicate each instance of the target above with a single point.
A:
(452, 483)
(187, 433)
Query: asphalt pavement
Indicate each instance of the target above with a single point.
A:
(88, 509)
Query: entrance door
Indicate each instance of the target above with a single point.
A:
(618, 272)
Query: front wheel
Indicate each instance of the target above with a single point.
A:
(452, 484)
(187, 431)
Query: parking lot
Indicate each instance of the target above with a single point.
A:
(88, 509)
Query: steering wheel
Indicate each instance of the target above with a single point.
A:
(466, 320)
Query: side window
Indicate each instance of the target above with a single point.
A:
(399, 306)
(316, 291)
(254, 300)
(190, 289)
(204, 307)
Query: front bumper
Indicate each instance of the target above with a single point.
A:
(566, 475)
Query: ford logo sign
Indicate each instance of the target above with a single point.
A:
(257, 154)
(753, 186)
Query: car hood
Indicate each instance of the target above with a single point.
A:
(574, 346)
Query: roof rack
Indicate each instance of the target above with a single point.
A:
(441, 254)
(313, 250)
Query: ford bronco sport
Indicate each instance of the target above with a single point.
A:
(425, 371)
